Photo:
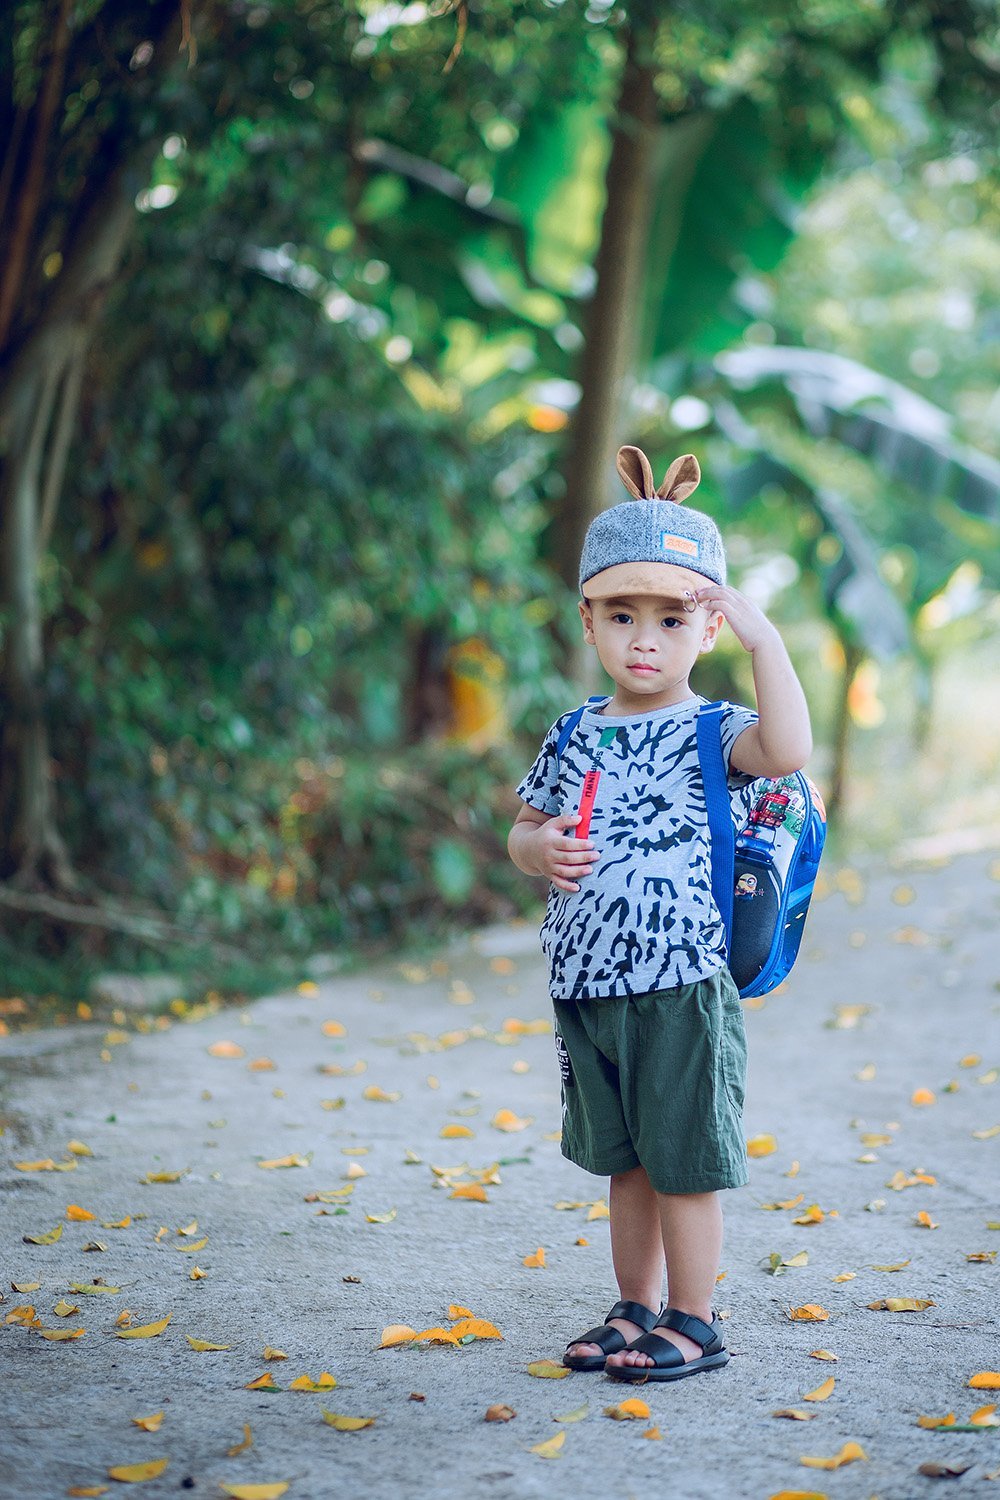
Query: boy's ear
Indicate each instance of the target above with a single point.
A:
(635, 470)
(587, 616)
(681, 479)
(711, 635)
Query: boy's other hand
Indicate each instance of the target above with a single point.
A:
(749, 624)
(562, 858)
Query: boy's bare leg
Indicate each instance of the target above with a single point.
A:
(636, 1248)
(692, 1243)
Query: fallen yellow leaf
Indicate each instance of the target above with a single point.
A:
(457, 1311)
(294, 1160)
(499, 1413)
(453, 1132)
(849, 1453)
(526, 1028)
(922, 1097)
(64, 1309)
(333, 1028)
(809, 1312)
(536, 1261)
(149, 1424)
(547, 1369)
(346, 1424)
(986, 1380)
(381, 1218)
(654, 1433)
(795, 1413)
(551, 1446)
(324, 1382)
(78, 1214)
(137, 1473)
(901, 1304)
(195, 1245)
(824, 1354)
(225, 1049)
(627, 1411)
(202, 1346)
(576, 1415)
(397, 1333)
(761, 1145)
(263, 1382)
(145, 1331)
(475, 1328)
(255, 1491)
(822, 1392)
(506, 1119)
(380, 1097)
(932, 1422)
(78, 1148)
(473, 1190)
(925, 1221)
(813, 1215)
(239, 1448)
(598, 1210)
(270, 1353)
(985, 1416)
(61, 1335)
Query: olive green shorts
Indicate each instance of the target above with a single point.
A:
(657, 1081)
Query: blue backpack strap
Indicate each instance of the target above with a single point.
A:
(719, 808)
(573, 721)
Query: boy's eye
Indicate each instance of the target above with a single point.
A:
(621, 618)
(671, 621)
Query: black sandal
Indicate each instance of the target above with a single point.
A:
(668, 1361)
(609, 1339)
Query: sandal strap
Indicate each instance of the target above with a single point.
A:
(693, 1328)
(608, 1340)
(634, 1312)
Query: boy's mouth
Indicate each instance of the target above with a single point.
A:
(642, 667)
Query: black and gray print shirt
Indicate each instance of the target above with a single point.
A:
(645, 919)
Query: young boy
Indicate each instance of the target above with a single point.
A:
(649, 1028)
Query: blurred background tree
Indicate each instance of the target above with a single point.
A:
(321, 326)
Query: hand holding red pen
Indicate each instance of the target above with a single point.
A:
(563, 859)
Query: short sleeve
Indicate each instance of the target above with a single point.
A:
(735, 719)
(540, 787)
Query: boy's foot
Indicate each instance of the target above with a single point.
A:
(668, 1351)
(625, 1322)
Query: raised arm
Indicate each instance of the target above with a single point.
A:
(781, 741)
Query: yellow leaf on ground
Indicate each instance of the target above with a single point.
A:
(985, 1416)
(761, 1145)
(899, 1266)
(263, 1382)
(270, 1353)
(824, 1354)
(654, 1433)
(195, 1245)
(436, 1335)
(255, 1491)
(325, 1382)
(506, 1119)
(78, 1148)
(551, 1446)
(46, 1164)
(577, 1415)
(61, 1335)
(145, 1330)
(986, 1135)
(25, 1286)
(873, 1138)
(809, 1312)
(476, 1328)
(795, 1413)
(395, 1334)
(149, 1424)
(901, 1304)
(627, 1411)
(514, 1027)
(117, 1223)
(380, 1097)
(536, 1261)
(932, 1422)
(547, 1369)
(822, 1392)
(499, 1413)
(454, 1132)
(849, 1453)
(581, 1241)
(381, 1218)
(355, 1170)
(86, 1490)
(294, 1160)
(78, 1214)
(137, 1473)
(333, 1028)
(598, 1210)
(225, 1049)
(813, 1215)
(202, 1346)
(64, 1309)
(164, 1176)
(922, 1097)
(925, 1221)
(845, 1276)
(346, 1424)
(239, 1448)
(797, 1495)
(986, 1380)
(457, 1311)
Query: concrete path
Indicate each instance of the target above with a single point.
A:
(897, 991)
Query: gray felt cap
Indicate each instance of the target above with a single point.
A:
(636, 547)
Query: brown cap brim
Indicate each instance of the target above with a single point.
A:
(662, 580)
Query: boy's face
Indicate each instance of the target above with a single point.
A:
(648, 644)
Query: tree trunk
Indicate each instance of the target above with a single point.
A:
(853, 657)
(611, 330)
(37, 412)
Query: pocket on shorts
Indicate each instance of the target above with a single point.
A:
(734, 1048)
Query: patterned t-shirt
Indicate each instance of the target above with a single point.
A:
(644, 919)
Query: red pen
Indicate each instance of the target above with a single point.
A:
(588, 795)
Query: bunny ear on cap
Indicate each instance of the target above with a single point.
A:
(633, 466)
(681, 479)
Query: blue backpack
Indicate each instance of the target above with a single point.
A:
(763, 871)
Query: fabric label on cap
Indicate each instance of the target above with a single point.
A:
(683, 544)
